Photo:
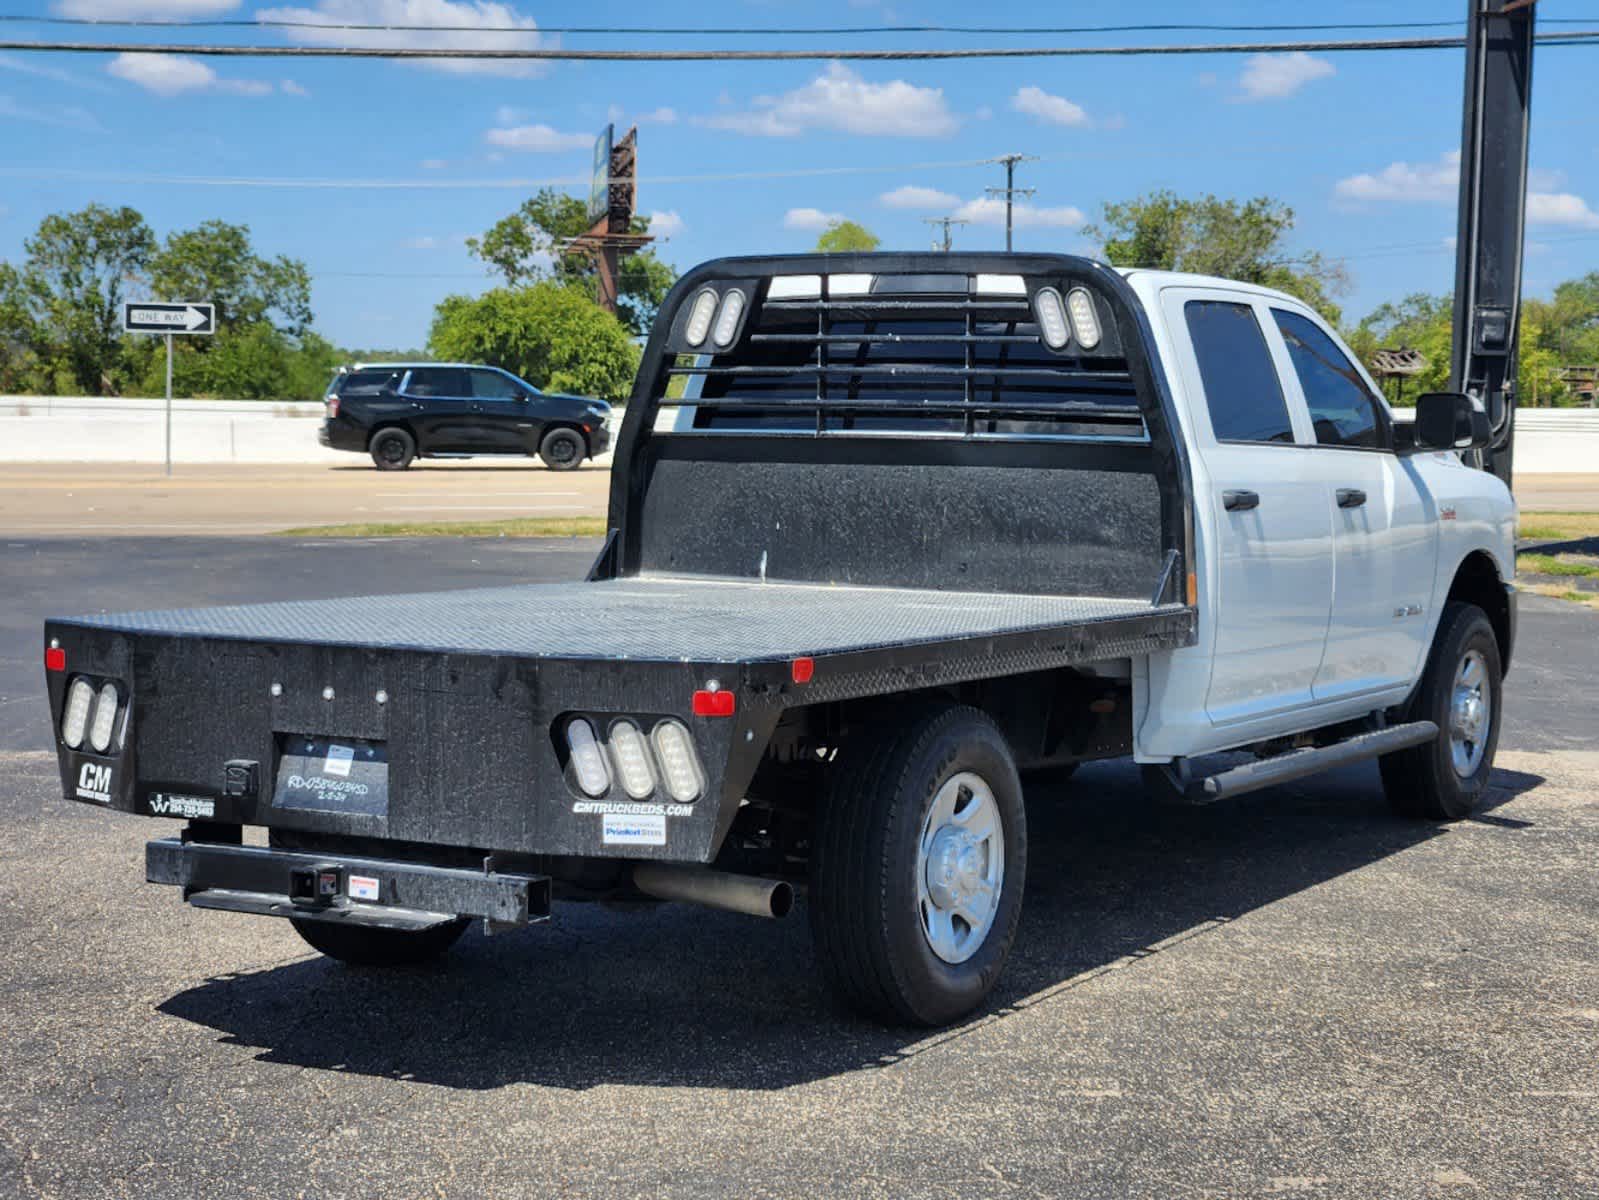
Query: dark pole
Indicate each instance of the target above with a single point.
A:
(1010, 191)
(1493, 205)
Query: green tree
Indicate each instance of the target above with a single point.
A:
(843, 237)
(1418, 322)
(1207, 235)
(552, 334)
(215, 261)
(77, 269)
(529, 245)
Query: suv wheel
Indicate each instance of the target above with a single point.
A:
(392, 449)
(562, 449)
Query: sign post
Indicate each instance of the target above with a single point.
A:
(169, 319)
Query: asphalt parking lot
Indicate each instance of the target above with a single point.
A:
(1292, 993)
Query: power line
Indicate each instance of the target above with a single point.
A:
(1010, 191)
(751, 31)
(562, 54)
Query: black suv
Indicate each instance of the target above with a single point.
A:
(399, 411)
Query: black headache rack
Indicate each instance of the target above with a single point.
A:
(751, 570)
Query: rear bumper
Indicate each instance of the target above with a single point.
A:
(357, 891)
(338, 434)
(599, 441)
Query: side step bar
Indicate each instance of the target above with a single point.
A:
(1296, 764)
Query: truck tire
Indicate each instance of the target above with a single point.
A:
(392, 449)
(1445, 779)
(563, 449)
(365, 946)
(918, 867)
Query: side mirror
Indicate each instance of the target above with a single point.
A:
(1450, 421)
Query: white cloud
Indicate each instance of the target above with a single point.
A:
(1052, 110)
(840, 101)
(538, 139)
(661, 116)
(913, 197)
(666, 224)
(810, 218)
(1560, 208)
(1276, 76)
(1405, 182)
(174, 74)
(1439, 183)
(45, 71)
(434, 164)
(990, 210)
(508, 114)
(110, 10)
(292, 88)
(425, 242)
(71, 117)
(458, 26)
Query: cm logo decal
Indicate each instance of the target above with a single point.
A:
(94, 783)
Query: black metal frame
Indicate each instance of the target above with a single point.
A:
(639, 446)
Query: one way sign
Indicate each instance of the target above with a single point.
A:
(150, 317)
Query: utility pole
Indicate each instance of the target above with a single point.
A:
(1010, 191)
(945, 223)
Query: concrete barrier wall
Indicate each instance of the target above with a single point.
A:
(87, 429)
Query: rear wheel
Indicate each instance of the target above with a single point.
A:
(1445, 779)
(562, 449)
(918, 869)
(392, 449)
(365, 946)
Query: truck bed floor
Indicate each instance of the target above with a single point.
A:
(646, 617)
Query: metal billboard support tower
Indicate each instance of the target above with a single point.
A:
(1493, 208)
(612, 202)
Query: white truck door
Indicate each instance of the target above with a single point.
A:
(1384, 541)
(1269, 567)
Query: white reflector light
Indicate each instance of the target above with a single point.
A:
(588, 763)
(105, 718)
(794, 287)
(1085, 321)
(727, 319)
(1001, 285)
(699, 317)
(1051, 317)
(675, 750)
(76, 717)
(632, 760)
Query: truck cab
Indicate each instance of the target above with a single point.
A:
(884, 531)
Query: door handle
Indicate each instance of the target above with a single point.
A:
(1351, 497)
(1240, 499)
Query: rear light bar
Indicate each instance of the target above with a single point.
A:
(625, 757)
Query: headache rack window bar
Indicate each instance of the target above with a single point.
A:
(843, 369)
(900, 304)
(990, 408)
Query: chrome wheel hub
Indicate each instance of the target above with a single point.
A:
(1470, 714)
(960, 867)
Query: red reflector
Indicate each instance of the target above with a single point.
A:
(802, 669)
(55, 659)
(714, 704)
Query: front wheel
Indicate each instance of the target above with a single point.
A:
(562, 449)
(918, 867)
(367, 946)
(1446, 778)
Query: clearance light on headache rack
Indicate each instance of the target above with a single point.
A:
(675, 750)
(588, 763)
(1051, 318)
(55, 659)
(699, 317)
(632, 760)
(75, 718)
(727, 318)
(1085, 321)
(710, 702)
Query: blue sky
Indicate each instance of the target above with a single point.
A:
(1359, 145)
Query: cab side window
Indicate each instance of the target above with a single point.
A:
(1342, 410)
(446, 382)
(1242, 390)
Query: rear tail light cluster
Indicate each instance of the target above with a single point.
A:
(640, 766)
(332, 404)
(92, 715)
